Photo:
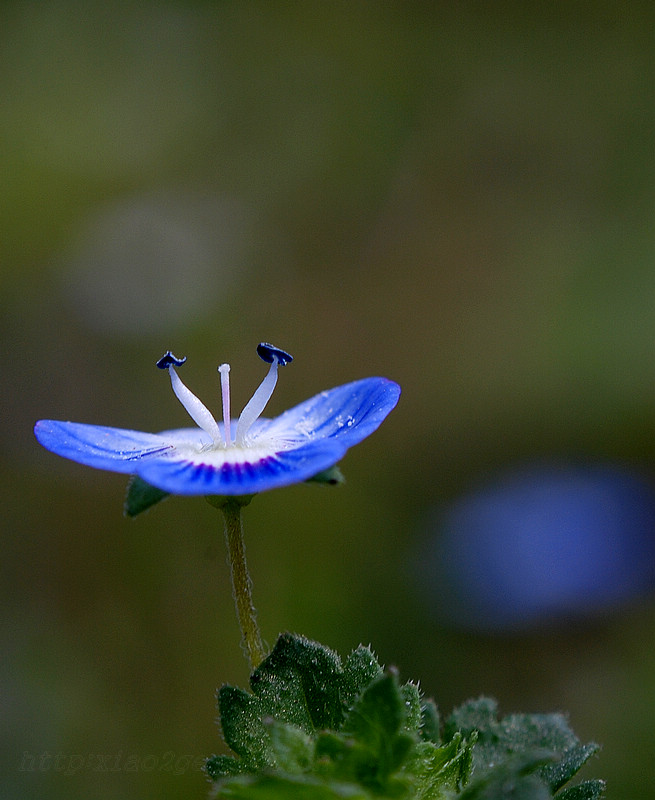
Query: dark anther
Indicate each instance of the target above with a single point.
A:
(269, 353)
(169, 360)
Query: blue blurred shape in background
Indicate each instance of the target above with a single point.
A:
(543, 544)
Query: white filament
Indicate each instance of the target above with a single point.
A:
(256, 404)
(224, 369)
(198, 412)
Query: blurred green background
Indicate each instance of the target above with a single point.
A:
(458, 196)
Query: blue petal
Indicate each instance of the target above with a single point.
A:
(98, 446)
(348, 413)
(182, 476)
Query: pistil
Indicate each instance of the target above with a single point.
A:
(224, 369)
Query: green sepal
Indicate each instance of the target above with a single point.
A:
(140, 496)
(328, 477)
(220, 501)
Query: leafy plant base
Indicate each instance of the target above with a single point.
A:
(316, 728)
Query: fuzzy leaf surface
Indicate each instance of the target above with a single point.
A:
(314, 727)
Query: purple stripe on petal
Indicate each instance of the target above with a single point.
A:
(281, 469)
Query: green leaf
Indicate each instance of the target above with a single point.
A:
(587, 790)
(522, 743)
(292, 748)
(310, 714)
(516, 733)
(243, 727)
(556, 775)
(480, 715)
(222, 766)
(300, 682)
(378, 712)
(315, 728)
(378, 745)
(437, 771)
(430, 722)
(411, 699)
(140, 496)
(360, 668)
(514, 780)
(283, 787)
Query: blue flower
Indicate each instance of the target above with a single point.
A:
(543, 544)
(232, 457)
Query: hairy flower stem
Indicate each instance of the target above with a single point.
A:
(241, 583)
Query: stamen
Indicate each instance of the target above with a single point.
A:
(257, 403)
(224, 369)
(168, 359)
(268, 353)
(198, 412)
